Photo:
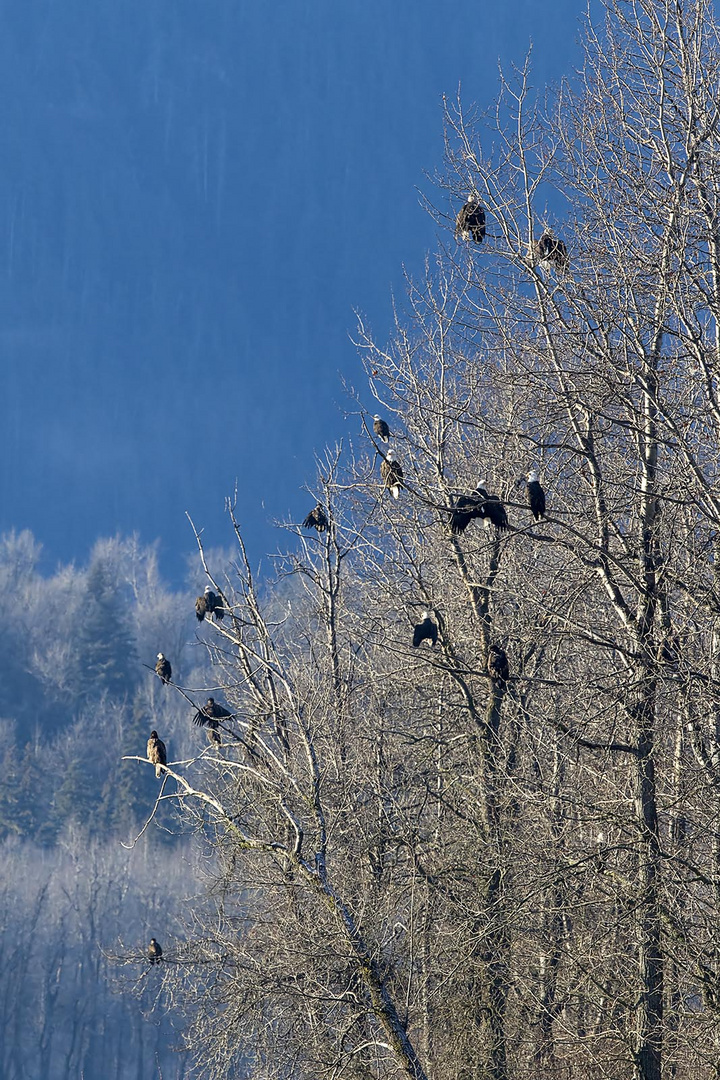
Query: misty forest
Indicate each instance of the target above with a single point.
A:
(453, 810)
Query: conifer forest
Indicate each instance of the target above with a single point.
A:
(437, 797)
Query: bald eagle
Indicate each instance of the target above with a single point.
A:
(163, 669)
(425, 630)
(316, 519)
(391, 474)
(210, 717)
(470, 222)
(210, 714)
(493, 511)
(465, 508)
(380, 428)
(157, 753)
(210, 603)
(497, 665)
(536, 495)
(154, 952)
(549, 251)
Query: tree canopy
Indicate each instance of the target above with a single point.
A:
(428, 870)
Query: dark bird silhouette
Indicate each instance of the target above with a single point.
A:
(425, 630)
(391, 474)
(497, 665)
(163, 668)
(221, 607)
(493, 512)
(210, 603)
(381, 429)
(316, 519)
(465, 508)
(157, 753)
(549, 251)
(210, 717)
(210, 711)
(536, 495)
(204, 604)
(470, 222)
(154, 952)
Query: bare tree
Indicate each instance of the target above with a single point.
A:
(430, 865)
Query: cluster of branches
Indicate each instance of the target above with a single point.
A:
(426, 873)
(62, 1017)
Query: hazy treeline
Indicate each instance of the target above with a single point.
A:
(76, 697)
(74, 690)
(65, 915)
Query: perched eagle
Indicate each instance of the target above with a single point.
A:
(470, 222)
(493, 511)
(497, 665)
(154, 952)
(316, 519)
(425, 630)
(391, 473)
(156, 752)
(465, 508)
(210, 603)
(549, 251)
(210, 716)
(163, 669)
(536, 495)
(380, 428)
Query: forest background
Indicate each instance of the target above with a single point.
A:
(404, 863)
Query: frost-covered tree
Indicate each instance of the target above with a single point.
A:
(427, 869)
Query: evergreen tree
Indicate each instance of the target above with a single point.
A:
(106, 652)
(76, 799)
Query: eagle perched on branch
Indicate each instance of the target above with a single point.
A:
(470, 222)
(391, 474)
(316, 519)
(154, 951)
(157, 753)
(380, 428)
(497, 665)
(550, 252)
(426, 630)
(210, 716)
(163, 669)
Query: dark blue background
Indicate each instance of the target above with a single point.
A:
(194, 198)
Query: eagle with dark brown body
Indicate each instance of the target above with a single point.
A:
(497, 665)
(480, 504)
(380, 428)
(536, 495)
(470, 222)
(210, 603)
(163, 669)
(316, 519)
(465, 508)
(426, 630)
(210, 716)
(154, 951)
(391, 474)
(157, 753)
(549, 251)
